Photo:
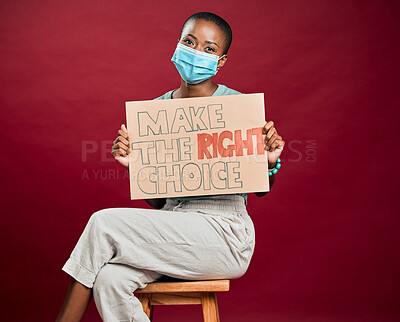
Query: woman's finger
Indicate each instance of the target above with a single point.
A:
(122, 140)
(276, 136)
(277, 143)
(114, 153)
(270, 133)
(121, 145)
(118, 152)
(123, 134)
(272, 139)
(274, 145)
(267, 126)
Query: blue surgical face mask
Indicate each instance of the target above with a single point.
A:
(193, 65)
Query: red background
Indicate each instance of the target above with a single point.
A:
(327, 246)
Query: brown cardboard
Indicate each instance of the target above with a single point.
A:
(197, 146)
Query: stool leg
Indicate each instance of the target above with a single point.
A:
(145, 299)
(210, 307)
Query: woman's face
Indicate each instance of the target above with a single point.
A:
(204, 36)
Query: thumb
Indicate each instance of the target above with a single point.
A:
(123, 128)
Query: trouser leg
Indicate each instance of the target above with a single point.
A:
(113, 292)
(185, 245)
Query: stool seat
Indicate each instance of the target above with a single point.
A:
(187, 286)
(171, 291)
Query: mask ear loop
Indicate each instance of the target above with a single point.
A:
(219, 60)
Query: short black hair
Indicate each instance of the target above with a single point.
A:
(220, 22)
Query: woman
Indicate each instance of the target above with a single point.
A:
(207, 237)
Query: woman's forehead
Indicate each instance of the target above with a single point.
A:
(204, 30)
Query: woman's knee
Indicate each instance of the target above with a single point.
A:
(103, 217)
(102, 214)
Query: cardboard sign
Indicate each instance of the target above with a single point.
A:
(197, 146)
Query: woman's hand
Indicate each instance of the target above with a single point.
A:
(273, 143)
(120, 149)
(274, 146)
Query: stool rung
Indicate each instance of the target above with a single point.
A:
(175, 298)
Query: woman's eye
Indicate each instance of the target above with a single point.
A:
(210, 49)
(188, 41)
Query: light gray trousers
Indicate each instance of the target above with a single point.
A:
(123, 249)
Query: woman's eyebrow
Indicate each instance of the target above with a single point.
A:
(191, 36)
(211, 42)
(207, 41)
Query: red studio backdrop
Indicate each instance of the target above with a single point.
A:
(327, 235)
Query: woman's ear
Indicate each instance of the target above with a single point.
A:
(222, 61)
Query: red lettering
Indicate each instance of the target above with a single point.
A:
(204, 140)
(228, 151)
(240, 143)
(260, 140)
(216, 142)
(215, 145)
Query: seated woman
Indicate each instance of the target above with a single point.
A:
(194, 238)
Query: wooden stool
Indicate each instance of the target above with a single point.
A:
(171, 291)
